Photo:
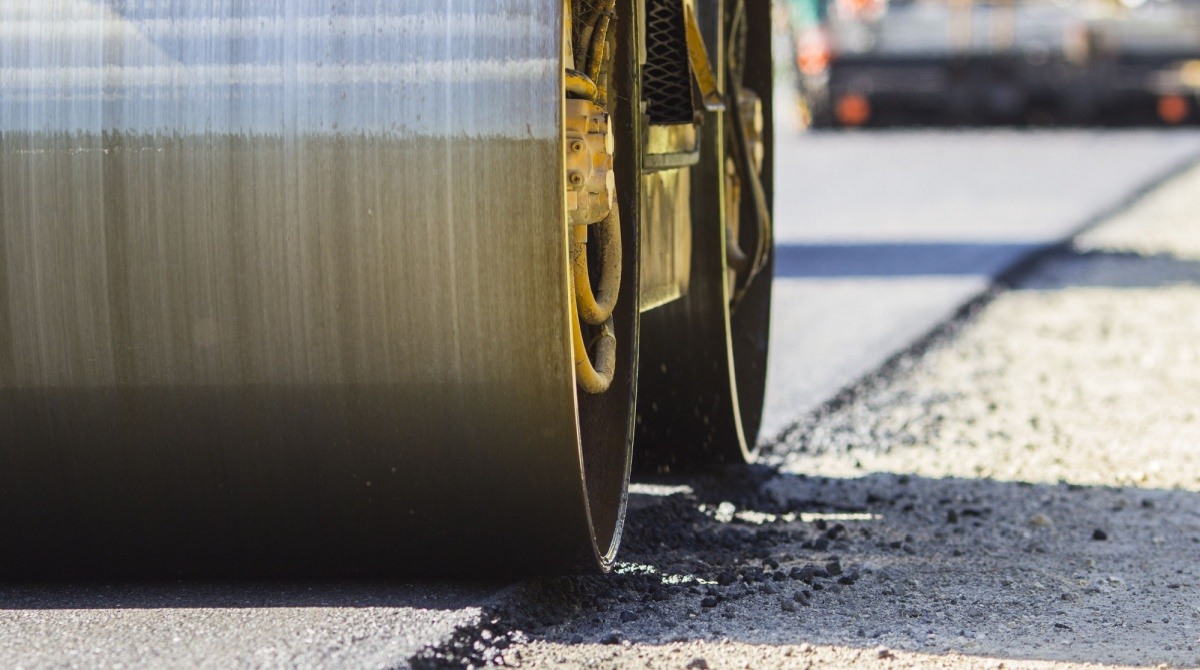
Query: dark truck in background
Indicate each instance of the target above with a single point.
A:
(863, 62)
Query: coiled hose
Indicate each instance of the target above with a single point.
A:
(596, 308)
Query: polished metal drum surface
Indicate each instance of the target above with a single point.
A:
(284, 289)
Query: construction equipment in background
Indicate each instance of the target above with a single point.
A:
(368, 288)
(996, 62)
(1178, 87)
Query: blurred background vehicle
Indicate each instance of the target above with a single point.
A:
(1018, 62)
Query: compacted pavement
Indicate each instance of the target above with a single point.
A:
(1022, 490)
(882, 236)
(917, 518)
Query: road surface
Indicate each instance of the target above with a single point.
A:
(1022, 493)
(884, 235)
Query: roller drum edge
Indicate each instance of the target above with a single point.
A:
(703, 365)
(290, 295)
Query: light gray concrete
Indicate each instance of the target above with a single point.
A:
(884, 235)
(359, 625)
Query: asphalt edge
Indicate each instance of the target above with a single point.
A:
(478, 644)
(772, 449)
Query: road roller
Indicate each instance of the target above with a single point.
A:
(371, 288)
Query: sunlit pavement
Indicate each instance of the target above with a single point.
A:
(883, 235)
(1021, 494)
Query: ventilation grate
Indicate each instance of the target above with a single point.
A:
(667, 77)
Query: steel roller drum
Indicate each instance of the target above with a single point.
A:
(285, 290)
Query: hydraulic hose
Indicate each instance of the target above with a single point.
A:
(597, 308)
(580, 85)
(595, 378)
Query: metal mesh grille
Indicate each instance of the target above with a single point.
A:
(667, 77)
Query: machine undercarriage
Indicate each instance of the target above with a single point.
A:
(361, 291)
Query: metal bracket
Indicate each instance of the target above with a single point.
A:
(706, 79)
